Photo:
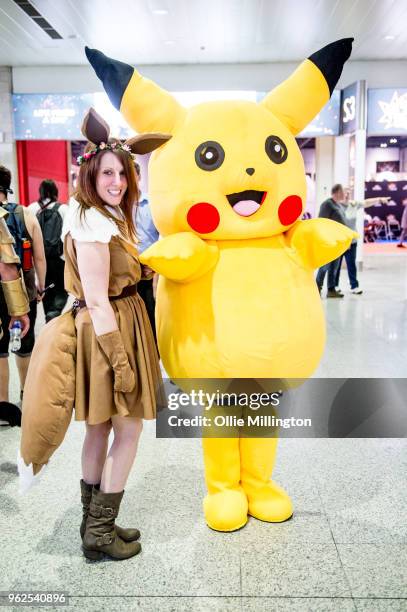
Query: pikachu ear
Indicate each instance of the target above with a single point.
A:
(300, 97)
(144, 105)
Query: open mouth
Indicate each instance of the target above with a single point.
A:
(246, 203)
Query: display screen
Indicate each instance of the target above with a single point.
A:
(60, 116)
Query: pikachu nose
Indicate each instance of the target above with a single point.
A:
(250, 171)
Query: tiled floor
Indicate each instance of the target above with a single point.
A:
(345, 548)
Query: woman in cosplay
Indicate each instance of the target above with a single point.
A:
(104, 360)
(236, 296)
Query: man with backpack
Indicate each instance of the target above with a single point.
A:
(29, 247)
(50, 214)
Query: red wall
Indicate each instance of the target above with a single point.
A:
(38, 160)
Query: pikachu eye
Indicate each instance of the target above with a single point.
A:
(276, 149)
(209, 155)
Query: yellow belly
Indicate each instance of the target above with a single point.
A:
(258, 314)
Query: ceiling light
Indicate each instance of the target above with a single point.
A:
(160, 12)
(383, 145)
(393, 140)
(389, 37)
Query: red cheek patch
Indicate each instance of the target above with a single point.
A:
(203, 218)
(290, 209)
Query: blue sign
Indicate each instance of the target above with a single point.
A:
(350, 101)
(387, 112)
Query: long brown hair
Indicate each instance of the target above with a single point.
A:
(88, 197)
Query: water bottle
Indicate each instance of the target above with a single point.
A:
(15, 337)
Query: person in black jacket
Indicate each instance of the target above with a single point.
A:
(332, 209)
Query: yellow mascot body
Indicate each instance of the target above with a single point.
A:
(237, 295)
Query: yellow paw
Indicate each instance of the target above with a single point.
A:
(319, 241)
(181, 257)
(226, 510)
(270, 503)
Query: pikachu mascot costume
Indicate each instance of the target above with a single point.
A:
(236, 295)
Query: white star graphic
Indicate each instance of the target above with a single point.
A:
(394, 112)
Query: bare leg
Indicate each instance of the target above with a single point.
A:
(4, 379)
(122, 453)
(22, 366)
(94, 451)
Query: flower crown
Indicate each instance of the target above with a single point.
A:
(97, 131)
(104, 146)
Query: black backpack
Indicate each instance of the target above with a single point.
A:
(51, 226)
(16, 225)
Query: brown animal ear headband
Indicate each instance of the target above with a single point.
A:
(96, 130)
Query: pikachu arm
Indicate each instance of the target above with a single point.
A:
(319, 241)
(181, 257)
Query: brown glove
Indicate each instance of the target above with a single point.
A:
(113, 347)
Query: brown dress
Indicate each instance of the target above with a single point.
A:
(95, 399)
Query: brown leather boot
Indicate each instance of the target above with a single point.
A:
(100, 536)
(128, 535)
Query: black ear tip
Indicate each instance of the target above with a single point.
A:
(331, 58)
(91, 54)
(343, 47)
(347, 45)
(114, 75)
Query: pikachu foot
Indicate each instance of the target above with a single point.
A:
(226, 510)
(270, 503)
